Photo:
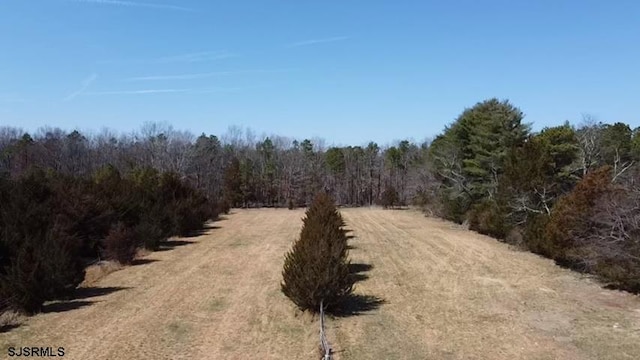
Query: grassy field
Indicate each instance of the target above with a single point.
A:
(446, 293)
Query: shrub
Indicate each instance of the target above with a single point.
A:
(570, 216)
(3, 309)
(52, 226)
(185, 218)
(120, 244)
(623, 275)
(454, 206)
(160, 216)
(41, 270)
(317, 267)
(515, 237)
(389, 197)
(41, 260)
(187, 208)
(80, 213)
(224, 207)
(488, 218)
(149, 233)
(214, 209)
(120, 199)
(192, 212)
(534, 235)
(611, 247)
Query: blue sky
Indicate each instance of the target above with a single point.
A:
(347, 71)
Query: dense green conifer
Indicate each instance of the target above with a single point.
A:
(317, 267)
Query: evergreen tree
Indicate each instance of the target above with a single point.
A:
(539, 171)
(120, 244)
(389, 197)
(570, 217)
(233, 183)
(470, 156)
(42, 269)
(316, 270)
(487, 132)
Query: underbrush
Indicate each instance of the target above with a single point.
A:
(53, 226)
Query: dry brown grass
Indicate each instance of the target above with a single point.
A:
(450, 294)
(454, 294)
(96, 272)
(9, 320)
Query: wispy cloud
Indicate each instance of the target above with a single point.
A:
(317, 41)
(168, 91)
(134, 4)
(85, 84)
(226, 89)
(177, 77)
(206, 75)
(196, 57)
(138, 92)
(203, 56)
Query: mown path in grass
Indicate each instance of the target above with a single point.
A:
(448, 294)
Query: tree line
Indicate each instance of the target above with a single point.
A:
(238, 167)
(566, 192)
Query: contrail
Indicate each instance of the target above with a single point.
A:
(134, 4)
(317, 41)
(85, 84)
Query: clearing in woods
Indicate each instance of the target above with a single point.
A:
(449, 294)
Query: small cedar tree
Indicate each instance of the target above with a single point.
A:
(317, 267)
(571, 213)
(389, 197)
(120, 244)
